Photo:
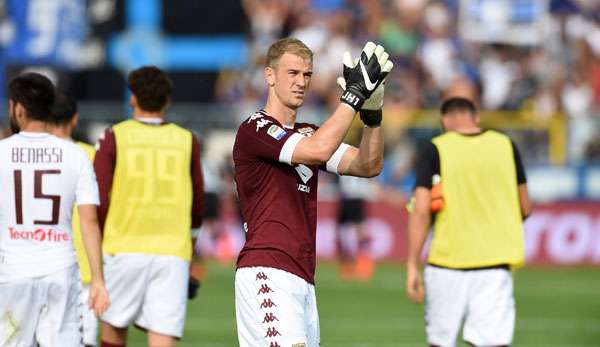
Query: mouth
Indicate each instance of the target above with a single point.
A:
(298, 93)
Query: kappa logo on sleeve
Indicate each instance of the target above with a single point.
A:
(261, 123)
(276, 132)
(254, 117)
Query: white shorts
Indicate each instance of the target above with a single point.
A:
(43, 309)
(90, 322)
(483, 298)
(275, 308)
(148, 290)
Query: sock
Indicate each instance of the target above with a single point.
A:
(107, 344)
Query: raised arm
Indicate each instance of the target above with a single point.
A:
(367, 160)
(361, 81)
(318, 148)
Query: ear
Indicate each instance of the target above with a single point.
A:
(74, 121)
(444, 121)
(270, 76)
(19, 110)
(133, 101)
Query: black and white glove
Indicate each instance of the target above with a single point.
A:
(363, 78)
(370, 113)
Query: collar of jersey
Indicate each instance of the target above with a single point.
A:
(150, 120)
(283, 125)
(31, 134)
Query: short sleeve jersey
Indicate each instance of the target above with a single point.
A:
(278, 199)
(42, 178)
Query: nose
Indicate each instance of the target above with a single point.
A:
(301, 81)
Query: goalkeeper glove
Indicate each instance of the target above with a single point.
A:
(363, 78)
(370, 112)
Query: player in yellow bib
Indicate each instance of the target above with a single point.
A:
(63, 123)
(151, 195)
(477, 233)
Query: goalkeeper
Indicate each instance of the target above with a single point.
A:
(276, 172)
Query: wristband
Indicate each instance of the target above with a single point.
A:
(371, 118)
(352, 99)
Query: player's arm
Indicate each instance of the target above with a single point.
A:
(524, 202)
(367, 160)
(418, 227)
(361, 81)
(104, 165)
(196, 267)
(90, 233)
(419, 220)
(197, 184)
(319, 148)
(87, 200)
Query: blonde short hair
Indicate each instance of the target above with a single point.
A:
(287, 45)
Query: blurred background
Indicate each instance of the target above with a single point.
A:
(533, 66)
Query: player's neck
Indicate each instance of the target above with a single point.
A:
(285, 115)
(35, 126)
(468, 130)
(60, 131)
(139, 113)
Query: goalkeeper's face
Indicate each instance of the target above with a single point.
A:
(290, 79)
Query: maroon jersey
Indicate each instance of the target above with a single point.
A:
(278, 199)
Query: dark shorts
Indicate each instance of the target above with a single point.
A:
(351, 211)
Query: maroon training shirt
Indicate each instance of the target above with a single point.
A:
(278, 199)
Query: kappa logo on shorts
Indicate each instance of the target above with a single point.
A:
(267, 303)
(264, 289)
(272, 332)
(270, 317)
(274, 344)
(11, 326)
(261, 276)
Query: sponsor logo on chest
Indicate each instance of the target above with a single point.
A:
(305, 173)
(39, 234)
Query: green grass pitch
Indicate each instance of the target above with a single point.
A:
(555, 308)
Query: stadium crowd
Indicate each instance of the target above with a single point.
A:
(558, 75)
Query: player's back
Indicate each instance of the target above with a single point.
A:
(151, 194)
(42, 177)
